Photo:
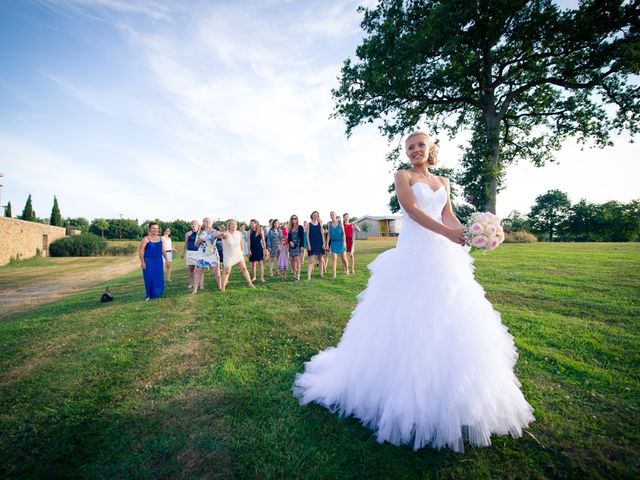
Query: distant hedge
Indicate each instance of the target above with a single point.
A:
(121, 250)
(85, 245)
(519, 237)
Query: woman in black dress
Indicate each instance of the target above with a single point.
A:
(257, 247)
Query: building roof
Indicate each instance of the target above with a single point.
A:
(380, 217)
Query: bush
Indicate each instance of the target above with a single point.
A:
(519, 237)
(84, 245)
(121, 250)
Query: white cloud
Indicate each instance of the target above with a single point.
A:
(232, 104)
(159, 10)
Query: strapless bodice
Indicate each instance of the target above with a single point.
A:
(429, 201)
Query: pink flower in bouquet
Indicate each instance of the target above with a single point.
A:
(484, 231)
(490, 229)
(479, 241)
(476, 228)
(493, 244)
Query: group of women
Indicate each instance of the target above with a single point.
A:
(424, 359)
(281, 246)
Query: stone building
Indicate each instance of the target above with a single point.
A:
(21, 239)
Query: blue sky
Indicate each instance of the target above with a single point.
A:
(177, 109)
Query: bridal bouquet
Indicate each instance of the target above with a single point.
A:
(484, 231)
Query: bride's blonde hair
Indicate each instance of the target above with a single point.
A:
(432, 156)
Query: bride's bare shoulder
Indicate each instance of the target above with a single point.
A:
(403, 175)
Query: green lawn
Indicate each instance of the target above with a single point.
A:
(199, 386)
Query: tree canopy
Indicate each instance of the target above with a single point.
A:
(521, 75)
(56, 217)
(7, 210)
(27, 212)
(550, 212)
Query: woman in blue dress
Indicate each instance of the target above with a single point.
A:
(257, 248)
(337, 243)
(315, 244)
(190, 252)
(151, 251)
(296, 243)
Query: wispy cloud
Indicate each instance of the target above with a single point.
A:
(114, 103)
(160, 10)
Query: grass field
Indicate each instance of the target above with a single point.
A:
(199, 386)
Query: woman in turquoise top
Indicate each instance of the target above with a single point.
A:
(338, 244)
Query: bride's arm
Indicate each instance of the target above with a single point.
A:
(448, 217)
(408, 202)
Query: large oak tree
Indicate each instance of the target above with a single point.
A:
(522, 75)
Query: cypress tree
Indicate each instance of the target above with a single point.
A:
(56, 218)
(7, 210)
(28, 214)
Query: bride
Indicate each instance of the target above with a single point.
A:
(424, 359)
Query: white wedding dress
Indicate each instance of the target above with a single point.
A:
(424, 359)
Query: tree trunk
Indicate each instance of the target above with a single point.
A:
(493, 156)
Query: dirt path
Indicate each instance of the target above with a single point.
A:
(25, 287)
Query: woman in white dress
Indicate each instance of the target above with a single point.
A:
(168, 247)
(233, 254)
(424, 359)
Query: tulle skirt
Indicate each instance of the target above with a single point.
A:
(424, 359)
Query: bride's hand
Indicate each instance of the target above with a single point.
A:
(456, 235)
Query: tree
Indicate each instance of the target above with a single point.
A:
(56, 218)
(7, 210)
(27, 212)
(515, 222)
(179, 228)
(522, 75)
(130, 228)
(550, 213)
(101, 224)
(621, 221)
(79, 223)
(608, 222)
(584, 222)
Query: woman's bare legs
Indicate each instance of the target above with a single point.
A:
(334, 259)
(261, 262)
(312, 263)
(245, 274)
(272, 260)
(243, 270)
(198, 279)
(225, 278)
(345, 263)
(192, 269)
(295, 267)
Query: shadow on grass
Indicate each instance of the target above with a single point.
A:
(162, 438)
